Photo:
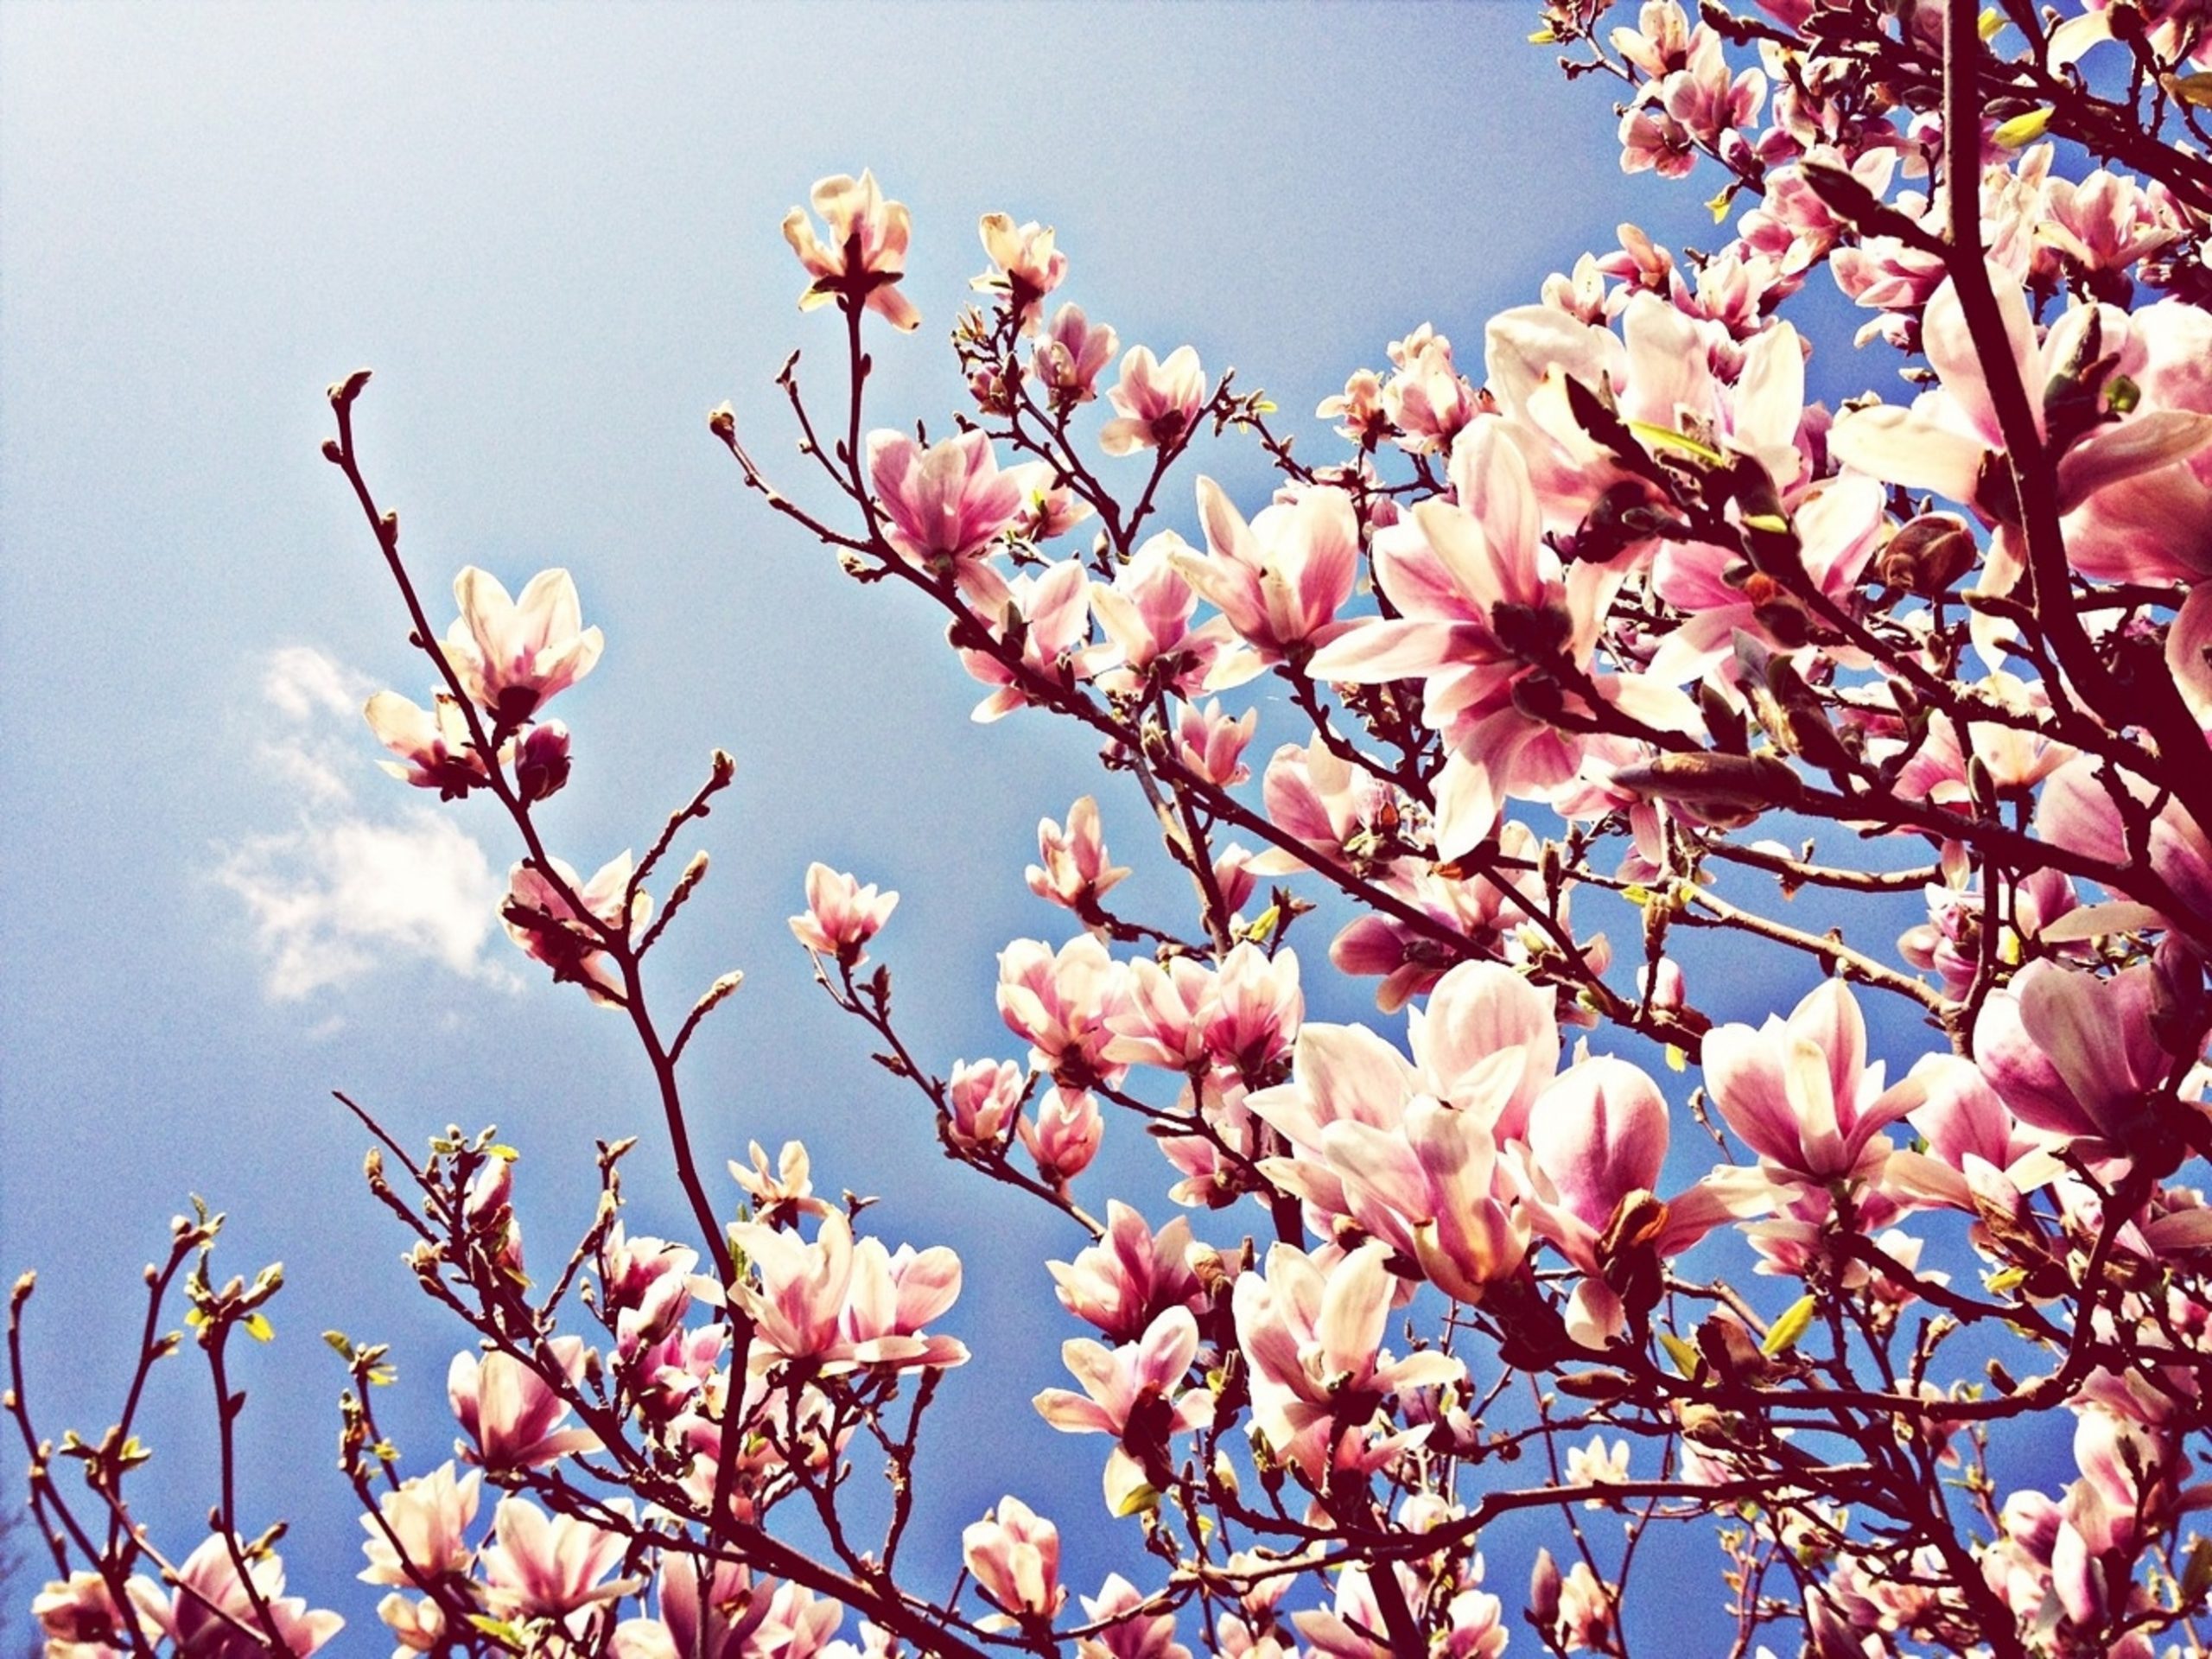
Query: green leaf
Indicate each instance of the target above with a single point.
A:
(1796, 1319)
(2022, 130)
(1667, 438)
(1681, 1352)
(258, 1327)
(2197, 1574)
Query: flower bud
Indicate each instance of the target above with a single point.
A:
(1543, 1591)
(542, 761)
(1928, 555)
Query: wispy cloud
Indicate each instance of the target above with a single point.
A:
(349, 887)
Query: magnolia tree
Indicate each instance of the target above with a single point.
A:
(1613, 625)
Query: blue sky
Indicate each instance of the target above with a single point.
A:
(552, 232)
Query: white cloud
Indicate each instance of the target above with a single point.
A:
(352, 886)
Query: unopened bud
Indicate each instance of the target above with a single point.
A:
(1928, 555)
(542, 761)
(1543, 1591)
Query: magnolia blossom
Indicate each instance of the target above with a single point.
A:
(213, 1614)
(81, 1618)
(982, 1099)
(1155, 404)
(549, 1566)
(1128, 1634)
(1800, 1092)
(726, 1613)
(840, 1305)
(1059, 1002)
(424, 1527)
(1596, 1142)
(1072, 871)
(780, 1196)
(435, 749)
(1046, 611)
(1132, 1276)
(1211, 744)
(1134, 1393)
(1063, 1137)
(1944, 440)
(1280, 580)
(842, 916)
(1313, 1339)
(944, 507)
(511, 1413)
(1014, 1553)
(512, 655)
(1025, 265)
(1066, 360)
(1484, 605)
(541, 918)
(866, 253)
(1183, 1013)
(2075, 1054)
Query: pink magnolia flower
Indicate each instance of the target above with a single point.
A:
(842, 916)
(1313, 1339)
(1183, 1014)
(1485, 604)
(1978, 1152)
(1597, 1140)
(429, 1517)
(1586, 1611)
(212, 1615)
(1059, 1002)
(645, 1290)
(1135, 1392)
(435, 749)
(726, 1613)
(1125, 1281)
(1211, 744)
(1280, 580)
(549, 929)
(779, 1196)
(509, 655)
(1943, 441)
(1411, 962)
(946, 506)
(1051, 505)
(511, 1414)
(549, 1566)
(1800, 1092)
(843, 1305)
(1129, 1633)
(1066, 362)
(2072, 1052)
(1336, 808)
(1026, 266)
(982, 1099)
(81, 1618)
(1014, 1553)
(1660, 43)
(1155, 404)
(1063, 1136)
(865, 254)
(1427, 401)
(1072, 871)
(1049, 607)
(2076, 811)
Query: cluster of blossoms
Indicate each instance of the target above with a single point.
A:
(1601, 619)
